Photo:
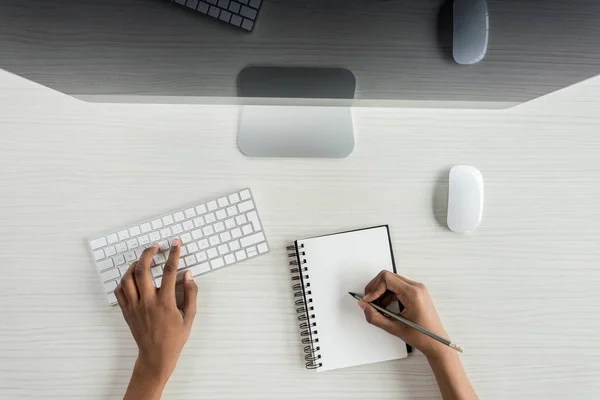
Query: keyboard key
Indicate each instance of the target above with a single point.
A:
(223, 3)
(201, 209)
(197, 234)
(119, 260)
(214, 240)
(105, 264)
(244, 2)
(255, 3)
(191, 260)
(156, 271)
(253, 218)
(186, 237)
(252, 239)
(201, 257)
(144, 240)
(235, 245)
(157, 224)
(208, 230)
(214, 2)
(234, 198)
(223, 202)
(210, 218)
(123, 269)
(198, 222)
(123, 235)
(178, 216)
(223, 249)
(246, 206)
(221, 214)
(203, 7)
(138, 253)
(163, 245)
(241, 219)
(247, 229)
(99, 254)
(165, 233)
(190, 213)
(110, 251)
(200, 269)
(168, 220)
(112, 238)
(97, 243)
(229, 223)
(134, 231)
(251, 251)
(229, 259)
(145, 227)
(262, 248)
(188, 225)
(232, 211)
(240, 255)
(121, 247)
(219, 227)
(183, 251)
(130, 256)
(212, 253)
(225, 236)
(217, 263)
(110, 286)
(192, 247)
(112, 299)
(212, 205)
(247, 12)
(158, 281)
(245, 194)
(177, 229)
(154, 237)
(159, 258)
(132, 244)
(247, 24)
(236, 232)
(181, 264)
(110, 274)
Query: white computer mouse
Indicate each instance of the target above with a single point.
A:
(471, 31)
(465, 199)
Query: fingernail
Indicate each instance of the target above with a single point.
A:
(188, 275)
(154, 245)
(175, 242)
(362, 305)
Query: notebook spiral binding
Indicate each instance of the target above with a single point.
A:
(304, 306)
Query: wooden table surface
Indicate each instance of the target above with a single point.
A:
(520, 294)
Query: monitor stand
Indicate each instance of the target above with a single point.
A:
(277, 129)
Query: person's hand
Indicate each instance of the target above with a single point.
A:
(159, 327)
(387, 287)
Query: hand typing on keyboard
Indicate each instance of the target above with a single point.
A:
(159, 327)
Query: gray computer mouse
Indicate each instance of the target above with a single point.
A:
(471, 31)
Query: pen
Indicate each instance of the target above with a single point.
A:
(411, 324)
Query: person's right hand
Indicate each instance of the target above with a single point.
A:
(418, 307)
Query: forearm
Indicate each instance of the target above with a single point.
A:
(144, 384)
(451, 377)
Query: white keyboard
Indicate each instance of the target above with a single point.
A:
(213, 234)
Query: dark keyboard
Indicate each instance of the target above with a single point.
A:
(239, 13)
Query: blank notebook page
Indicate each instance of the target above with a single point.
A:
(338, 264)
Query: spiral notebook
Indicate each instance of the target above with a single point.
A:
(333, 328)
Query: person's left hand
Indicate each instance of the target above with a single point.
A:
(159, 327)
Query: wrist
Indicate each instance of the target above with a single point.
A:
(151, 372)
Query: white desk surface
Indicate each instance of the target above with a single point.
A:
(521, 295)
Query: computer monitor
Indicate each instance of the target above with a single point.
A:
(399, 51)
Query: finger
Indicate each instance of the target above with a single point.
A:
(388, 281)
(129, 287)
(190, 295)
(377, 319)
(169, 278)
(409, 281)
(121, 297)
(143, 280)
(373, 282)
(387, 299)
